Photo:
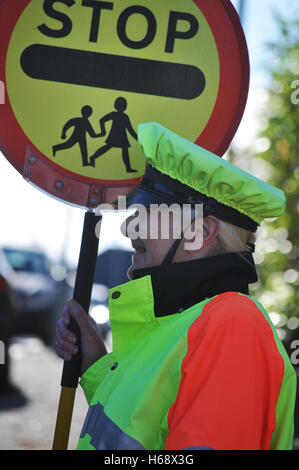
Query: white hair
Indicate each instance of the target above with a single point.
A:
(232, 238)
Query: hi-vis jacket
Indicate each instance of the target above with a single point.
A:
(215, 376)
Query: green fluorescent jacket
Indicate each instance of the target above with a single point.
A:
(215, 376)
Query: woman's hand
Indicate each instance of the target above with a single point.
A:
(92, 343)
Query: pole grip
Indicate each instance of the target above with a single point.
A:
(82, 292)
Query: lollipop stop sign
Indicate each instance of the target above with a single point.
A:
(79, 76)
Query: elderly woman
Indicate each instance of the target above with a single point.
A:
(196, 361)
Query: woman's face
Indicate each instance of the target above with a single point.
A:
(148, 242)
(151, 238)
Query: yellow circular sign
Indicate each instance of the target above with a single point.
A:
(81, 76)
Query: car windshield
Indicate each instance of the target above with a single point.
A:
(26, 261)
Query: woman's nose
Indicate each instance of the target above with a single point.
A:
(125, 224)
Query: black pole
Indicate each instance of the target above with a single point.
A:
(82, 292)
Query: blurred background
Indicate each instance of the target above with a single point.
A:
(40, 240)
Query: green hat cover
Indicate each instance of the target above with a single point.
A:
(209, 174)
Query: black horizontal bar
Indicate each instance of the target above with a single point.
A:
(95, 69)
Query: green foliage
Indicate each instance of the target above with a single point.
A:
(278, 248)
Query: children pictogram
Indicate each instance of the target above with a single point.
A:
(117, 137)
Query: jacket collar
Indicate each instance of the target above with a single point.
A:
(178, 286)
(137, 307)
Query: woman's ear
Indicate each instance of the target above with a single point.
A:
(211, 228)
(205, 237)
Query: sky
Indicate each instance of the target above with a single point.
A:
(31, 218)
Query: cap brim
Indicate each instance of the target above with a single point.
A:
(147, 197)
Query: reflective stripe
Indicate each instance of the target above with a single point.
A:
(106, 435)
